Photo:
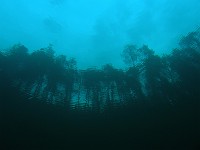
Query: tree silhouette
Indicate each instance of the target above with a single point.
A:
(44, 96)
(130, 55)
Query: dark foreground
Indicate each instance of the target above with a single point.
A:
(35, 125)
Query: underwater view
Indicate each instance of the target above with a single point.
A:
(100, 75)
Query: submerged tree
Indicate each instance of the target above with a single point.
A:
(149, 78)
(130, 55)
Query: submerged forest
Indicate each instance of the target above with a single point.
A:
(46, 102)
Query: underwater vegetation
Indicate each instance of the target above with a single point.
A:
(46, 102)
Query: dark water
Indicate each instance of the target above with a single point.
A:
(47, 103)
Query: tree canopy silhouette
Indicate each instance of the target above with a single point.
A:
(155, 95)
